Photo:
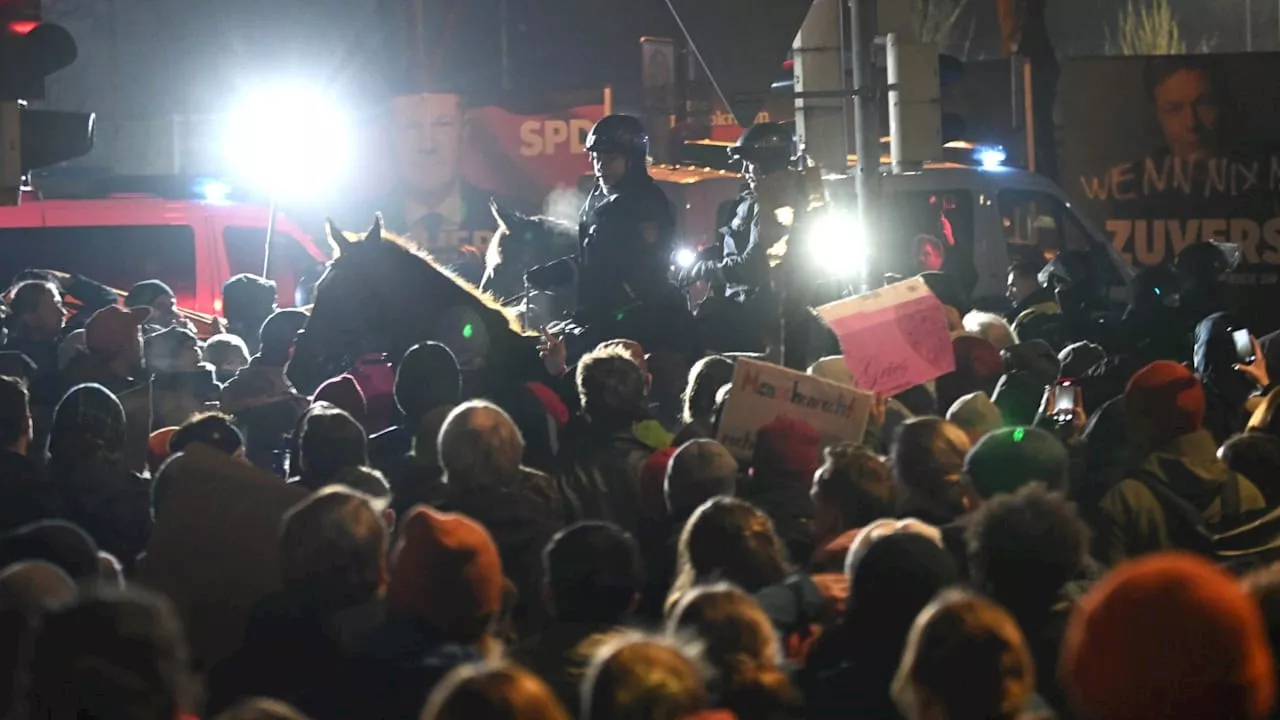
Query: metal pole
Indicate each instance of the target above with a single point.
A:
(866, 109)
(1248, 25)
(271, 229)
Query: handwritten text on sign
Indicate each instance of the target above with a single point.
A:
(763, 392)
(894, 338)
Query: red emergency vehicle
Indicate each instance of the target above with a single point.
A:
(192, 245)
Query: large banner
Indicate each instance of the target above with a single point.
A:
(447, 160)
(1165, 152)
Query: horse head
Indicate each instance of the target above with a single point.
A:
(381, 295)
(521, 242)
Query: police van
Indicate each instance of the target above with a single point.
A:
(193, 244)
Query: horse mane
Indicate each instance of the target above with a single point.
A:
(407, 247)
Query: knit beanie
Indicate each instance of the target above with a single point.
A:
(1168, 636)
(447, 573)
(146, 293)
(344, 393)
(787, 447)
(1164, 401)
(1009, 458)
(975, 414)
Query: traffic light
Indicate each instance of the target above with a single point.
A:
(30, 50)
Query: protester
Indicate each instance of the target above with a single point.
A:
(86, 465)
(928, 467)
(212, 429)
(852, 489)
(427, 378)
(976, 414)
(181, 385)
(978, 368)
(26, 497)
(640, 678)
(333, 565)
(1023, 549)
(35, 329)
(113, 350)
(740, 644)
(134, 635)
(35, 587)
(593, 578)
(57, 542)
(480, 451)
(784, 461)
(1117, 658)
(504, 692)
(263, 403)
(247, 302)
(965, 658)
(331, 442)
(1165, 404)
(159, 299)
(1011, 458)
(344, 393)
(728, 539)
(1256, 455)
(849, 670)
(706, 377)
(992, 328)
(228, 355)
(601, 457)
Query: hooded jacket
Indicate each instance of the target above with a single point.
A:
(1131, 518)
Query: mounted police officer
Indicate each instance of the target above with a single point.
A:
(743, 310)
(625, 232)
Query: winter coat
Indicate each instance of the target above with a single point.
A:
(112, 504)
(1131, 519)
(600, 474)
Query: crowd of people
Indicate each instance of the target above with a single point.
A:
(584, 547)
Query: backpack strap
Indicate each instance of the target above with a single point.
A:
(1176, 509)
(1230, 497)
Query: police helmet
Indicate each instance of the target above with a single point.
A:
(621, 134)
(769, 145)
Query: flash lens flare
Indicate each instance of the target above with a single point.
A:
(289, 141)
(685, 257)
(838, 245)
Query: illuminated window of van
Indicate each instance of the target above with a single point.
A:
(929, 230)
(116, 256)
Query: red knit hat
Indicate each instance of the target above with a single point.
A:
(447, 572)
(1168, 636)
(653, 475)
(1165, 401)
(344, 392)
(788, 447)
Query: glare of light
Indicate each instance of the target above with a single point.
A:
(786, 216)
(289, 141)
(686, 257)
(1019, 434)
(991, 156)
(215, 192)
(838, 245)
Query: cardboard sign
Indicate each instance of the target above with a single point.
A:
(214, 550)
(893, 338)
(763, 392)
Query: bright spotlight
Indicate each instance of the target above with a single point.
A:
(686, 257)
(837, 245)
(214, 191)
(289, 141)
(991, 156)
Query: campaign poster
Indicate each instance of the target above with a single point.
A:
(1164, 152)
(449, 159)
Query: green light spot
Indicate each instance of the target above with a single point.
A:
(468, 330)
(1019, 434)
(620, 316)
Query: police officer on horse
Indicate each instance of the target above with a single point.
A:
(625, 240)
(742, 313)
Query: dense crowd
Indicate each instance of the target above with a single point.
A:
(583, 547)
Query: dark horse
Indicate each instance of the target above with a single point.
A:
(379, 295)
(522, 242)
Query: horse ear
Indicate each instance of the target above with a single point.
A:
(497, 214)
(337, 238)
(508, 219)
(375, 233)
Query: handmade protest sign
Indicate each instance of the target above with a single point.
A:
(763, 392)
(893, 338)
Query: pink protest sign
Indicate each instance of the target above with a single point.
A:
(893, 338)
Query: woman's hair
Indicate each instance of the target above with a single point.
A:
(493, 692)
(928, 461)
(966, 654)
(706, 377)
(261, 708)
(729, 539)
(857, 483)
(636, 677)
(741, 645)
